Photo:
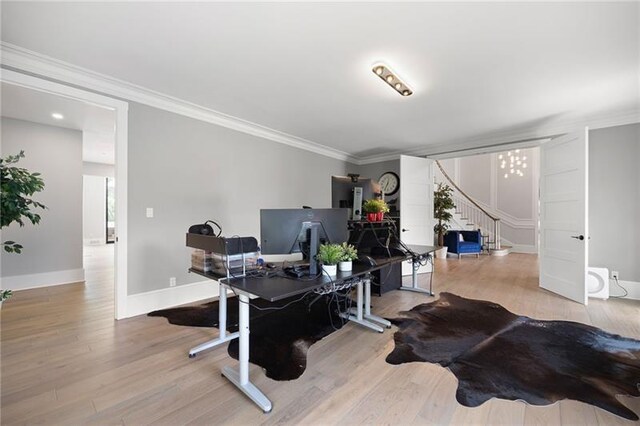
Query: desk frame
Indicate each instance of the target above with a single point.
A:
(222, 325)
(240, 377)
(414, 277)
(360, 315)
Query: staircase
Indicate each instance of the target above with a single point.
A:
(469, 215)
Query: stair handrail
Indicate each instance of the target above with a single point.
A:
(496, 220)
(463, 193)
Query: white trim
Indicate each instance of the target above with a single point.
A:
(633, 287)
(525, 138)
(143, 303)
(121, 140)
(506, 218)
(523, 248)
(122, 211)
(493, 181)
(33, 62)
(36, 63)
(45, 279)
(456, 170)
(535, 195)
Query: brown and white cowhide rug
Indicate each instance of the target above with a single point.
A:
(495, 353)
(279, 339)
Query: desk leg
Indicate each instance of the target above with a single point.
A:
(240, 378)
(359, 317)
(222, 325)
(414, 280)
(367, 306)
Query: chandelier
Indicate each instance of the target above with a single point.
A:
(513, 163)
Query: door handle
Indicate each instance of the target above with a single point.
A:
(404, 230)
(578, 237)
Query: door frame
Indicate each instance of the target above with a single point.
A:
(121, 109)
(407, 267)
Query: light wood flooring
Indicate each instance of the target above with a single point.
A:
(66, 361)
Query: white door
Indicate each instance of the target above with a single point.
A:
(563, 215)
(416, 205)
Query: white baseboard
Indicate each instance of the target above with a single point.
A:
(633, 287)
(143, 303)
(94, 241)
(524, 248)
(46, 279)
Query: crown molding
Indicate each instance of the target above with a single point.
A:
(27, 61)
(523, 138)
(24, 60)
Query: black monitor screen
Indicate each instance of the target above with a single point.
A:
(284, 231)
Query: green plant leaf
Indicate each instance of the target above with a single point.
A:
(17, 185)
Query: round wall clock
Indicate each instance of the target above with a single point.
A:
(389, 183)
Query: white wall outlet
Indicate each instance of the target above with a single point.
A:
(149, 211)
(172, 282)
(615, 275)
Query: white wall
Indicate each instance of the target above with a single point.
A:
(94, 204)
(98, 169)
(514, 199)
(52, 251)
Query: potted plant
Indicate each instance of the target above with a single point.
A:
(329, 255)
(375, 209)
(349, 254)
(382, 209)
(16, 205)
(4, 295)
(442, 204)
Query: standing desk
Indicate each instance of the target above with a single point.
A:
(278, 288)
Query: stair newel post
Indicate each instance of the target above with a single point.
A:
(496, 236)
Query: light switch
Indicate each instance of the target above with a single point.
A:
(149, 211)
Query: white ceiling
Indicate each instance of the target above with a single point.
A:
(96, 123)
(305, 68)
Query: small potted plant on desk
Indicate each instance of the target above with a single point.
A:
(329, 255)
(375, 210)
(349, 254)
(4, 295)
(442, 204)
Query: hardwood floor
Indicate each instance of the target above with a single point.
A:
(66, 361)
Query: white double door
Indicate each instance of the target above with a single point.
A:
(416, 205)
(564, 219)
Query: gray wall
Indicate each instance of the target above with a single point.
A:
(56, 243)
(375, 170)
(614, 200)
(475, 177)
(189, 171)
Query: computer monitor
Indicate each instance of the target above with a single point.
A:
(285, 231)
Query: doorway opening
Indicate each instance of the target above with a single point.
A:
(95, 128)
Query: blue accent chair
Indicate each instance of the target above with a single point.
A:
(472, 243)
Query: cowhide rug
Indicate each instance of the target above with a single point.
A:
(279, 339)
(495, 353)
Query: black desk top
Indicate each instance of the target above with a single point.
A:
(280, 287)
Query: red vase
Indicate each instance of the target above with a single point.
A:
(379, 216)
(371, 217)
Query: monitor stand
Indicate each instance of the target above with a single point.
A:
(314, 242)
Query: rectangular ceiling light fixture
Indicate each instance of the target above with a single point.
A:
(391, 79)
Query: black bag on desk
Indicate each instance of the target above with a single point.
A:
(205, 229)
